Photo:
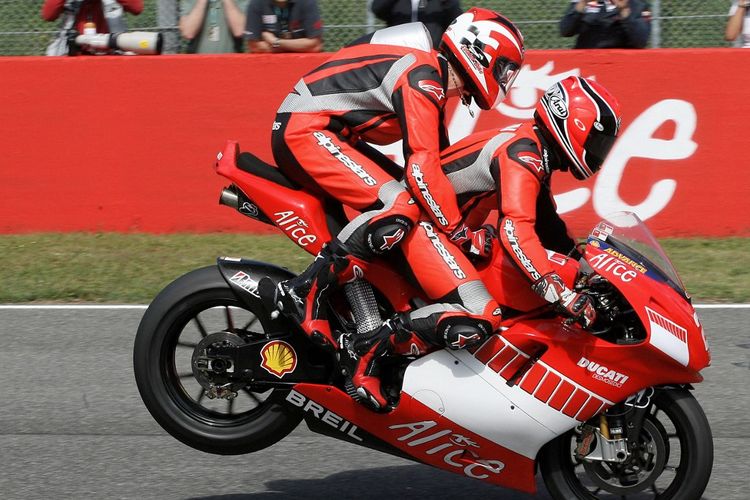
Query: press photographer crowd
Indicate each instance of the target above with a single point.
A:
(272, 26)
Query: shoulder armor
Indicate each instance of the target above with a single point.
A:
(411, 35)
(525, 152)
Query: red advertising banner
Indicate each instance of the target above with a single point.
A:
(127, 143)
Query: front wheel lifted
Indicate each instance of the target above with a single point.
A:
(195, 309)
(677, 450)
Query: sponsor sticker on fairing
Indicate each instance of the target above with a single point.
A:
(428, 438)
(602, 373)
(244, 281)
(278, 358)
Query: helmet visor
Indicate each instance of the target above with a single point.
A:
(505, 72)
(597, 148)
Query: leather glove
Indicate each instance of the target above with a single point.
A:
(579, 306)
(477, 242)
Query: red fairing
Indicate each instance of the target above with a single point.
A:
(425, 435)
(676, 336)
(298, 214)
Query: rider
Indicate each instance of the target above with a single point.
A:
(575, 125)
(381, 88)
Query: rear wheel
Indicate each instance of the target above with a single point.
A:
(673, 461)
(196, 310)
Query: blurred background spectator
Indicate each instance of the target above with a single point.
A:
(609, 24)
(213, 26)
(435, 14)
(284, 26)
(739, 23)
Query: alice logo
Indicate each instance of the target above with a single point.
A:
(278, 358)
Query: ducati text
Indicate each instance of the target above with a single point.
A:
(602, 373)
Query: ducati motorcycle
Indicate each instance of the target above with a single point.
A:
(602, 413)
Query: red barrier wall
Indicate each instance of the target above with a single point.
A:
(126, 143)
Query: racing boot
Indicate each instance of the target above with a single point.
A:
(363, 374)
(304, 297)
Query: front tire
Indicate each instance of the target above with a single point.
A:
(682, 471)
(194, 306)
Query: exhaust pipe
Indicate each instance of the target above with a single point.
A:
(233, 197)
(229, 197)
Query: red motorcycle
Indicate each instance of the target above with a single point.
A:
(600, 413)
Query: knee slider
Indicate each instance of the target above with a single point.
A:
(385, 234)
(460, 332)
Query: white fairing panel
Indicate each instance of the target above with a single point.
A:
(462, 389)
(669, 337)
(412, 35)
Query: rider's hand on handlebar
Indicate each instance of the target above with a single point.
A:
(579, 306)
(477, 242)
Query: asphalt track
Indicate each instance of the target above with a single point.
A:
(72, 425)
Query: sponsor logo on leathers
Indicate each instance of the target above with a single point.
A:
(442, 251)
(533, 162)
(433, 88)
(510, 233)
(390, 240)
(327, 142)
(416, 172)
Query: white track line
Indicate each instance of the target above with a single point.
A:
(141, 306)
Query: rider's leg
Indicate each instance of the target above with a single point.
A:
(463, 316)
(332, 167)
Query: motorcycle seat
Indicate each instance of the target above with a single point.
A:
(251, 164)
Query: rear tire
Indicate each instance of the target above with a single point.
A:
(689, 436)
(194, 305)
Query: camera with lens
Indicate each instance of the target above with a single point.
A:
(118, 40)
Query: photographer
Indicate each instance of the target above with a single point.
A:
(213, 26)
(607, 24)
(739, 23)
(105, 16)
(90, 11)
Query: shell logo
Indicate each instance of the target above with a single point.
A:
(278, 358)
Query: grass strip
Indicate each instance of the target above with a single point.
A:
(132, 268)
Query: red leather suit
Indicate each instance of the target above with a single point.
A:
(381, 94)
(508, 170)
(377, 94)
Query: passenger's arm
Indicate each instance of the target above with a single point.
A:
(418, 100)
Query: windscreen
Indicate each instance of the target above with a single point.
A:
(630, 235)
